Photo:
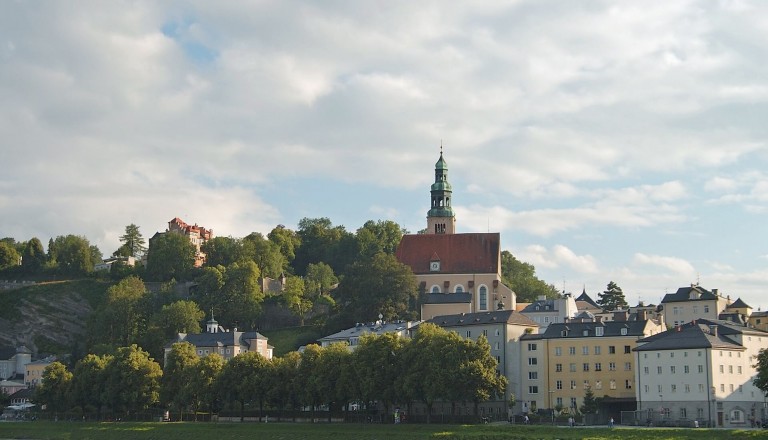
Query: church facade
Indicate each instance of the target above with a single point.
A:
(457, 273)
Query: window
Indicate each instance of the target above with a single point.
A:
(672, 369)
(558, 351)
(559, 384)
(599, 331)
(701, 387)
(737, 416)
(586, 384)
(706, 309)
(611, 349)
(497, 345)
(435, 289)
(485, 332)
(483, 298)
(533, 389)
(623, 331)
(531, 347)
(645, 370)
(572, 350)
(647, 389)
(585, 332)
(611, 366)
(469, 333)
(613, 384)
(722, 387)
(687, 388)
(459, 289)
(658, 370)
(546, 320)
(731, 387)
(738, 369)
(722, 369)
(627, 366)
(573, 402)
(628, 384)
(585, 366)
(498, 332)
(598, 366)
(572, 367)
(659, 388)
(701, 368)
(741, 390)
(533, 361)
(533, 375)
(627, 349)
(573, 384)
(598, 384)
(730, 369)
(686, 369)
(683, 413)
(559, 368)
(597, 349)
(699, 413)
(673, 388)
(585, 350)
(558, 401)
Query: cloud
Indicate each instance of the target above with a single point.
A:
(558, 256)
(676, 265)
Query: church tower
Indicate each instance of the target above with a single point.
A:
(440, 218)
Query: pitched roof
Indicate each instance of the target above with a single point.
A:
(738, 304)
(587, 299)
(378, 328)
(458, 253)
(684, 294)
(541, 305)
(691, 335)
(483, 318)
(218, 339)
(610, 328)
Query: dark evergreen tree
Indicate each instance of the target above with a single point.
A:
(612, 298)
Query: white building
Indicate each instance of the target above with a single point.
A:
(700, 372)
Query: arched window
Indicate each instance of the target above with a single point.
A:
(483, 298)
(435, 289)
(459, 288)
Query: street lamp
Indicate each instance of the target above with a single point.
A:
(551, 410)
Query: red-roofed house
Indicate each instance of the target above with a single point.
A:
(457, 273)
(197, 235)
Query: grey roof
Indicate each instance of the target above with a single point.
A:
(585, 315)
(610, 328)
(697, 334)
(587, 299)
(483, 318)
(544, 305)
(738, 304)
(447, 298)
(218, 339)
(375, 327)
(684, 294)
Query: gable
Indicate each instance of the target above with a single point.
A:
(458, 253)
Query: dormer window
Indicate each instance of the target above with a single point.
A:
(623, 331)
(599, 331)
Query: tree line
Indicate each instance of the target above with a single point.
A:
(383, 371)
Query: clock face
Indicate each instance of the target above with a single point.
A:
(435, 265)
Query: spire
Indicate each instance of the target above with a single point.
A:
(440, 217)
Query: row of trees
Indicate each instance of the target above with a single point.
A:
(384, 370)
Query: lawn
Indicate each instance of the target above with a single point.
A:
(287, 431)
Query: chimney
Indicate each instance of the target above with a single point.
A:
(642, 315)
(713, 329)
(714, 291)
(598, 318)
(620, 315)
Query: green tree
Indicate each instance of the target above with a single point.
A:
(175, 389)
(54, 389)
(133, 243)
(9, 257)
(295, 297)
(319, 280)
(323, 242)
(178, 317)
(222, 251)
(379, 383)
(243, 378)
(521, 278)
(170, 256)
(265, 254)
(132, 380)
(425, 379)
(612, 298)
(286, 382)
(590, 403)
(72, 254)
(120, 320)
(334, 375)
(381, 285)
(761, 378)
(89, 382)
(33, 257)
(207, 293)
(205, 374)
(287, 241)
(380, 236)
(309, 387)
(478, 377)
(241, 297)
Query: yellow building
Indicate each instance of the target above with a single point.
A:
(560, 364)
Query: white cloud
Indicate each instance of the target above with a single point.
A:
(675, 265)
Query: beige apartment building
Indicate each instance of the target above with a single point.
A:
(560, 364)
(694, 302)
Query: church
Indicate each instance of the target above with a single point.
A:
(457, 273)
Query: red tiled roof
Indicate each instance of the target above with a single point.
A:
(458, 253)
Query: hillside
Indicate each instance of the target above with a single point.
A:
(49, 317)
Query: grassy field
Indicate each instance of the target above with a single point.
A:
(288, 431)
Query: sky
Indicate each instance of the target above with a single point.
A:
(606, 141)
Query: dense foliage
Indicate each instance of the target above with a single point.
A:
(129, 380)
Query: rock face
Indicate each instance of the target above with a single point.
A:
(44, 319)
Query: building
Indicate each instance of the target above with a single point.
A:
(758, 320)
(197, 235)
(690, 303)
(700, 372)
(12, 362)
(351, 336)
(560, 364)
(457, 273)
(503, 329)
(227, 344)
(545, 311)
(106, 264)
(33, 371)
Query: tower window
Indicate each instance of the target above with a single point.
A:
(483, 298)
